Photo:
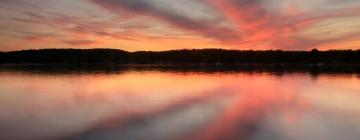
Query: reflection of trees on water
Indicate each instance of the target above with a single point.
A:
(60, 69)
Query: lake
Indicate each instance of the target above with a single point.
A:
(158, 104)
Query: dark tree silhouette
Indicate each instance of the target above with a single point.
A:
(195, 56)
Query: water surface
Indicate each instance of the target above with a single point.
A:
(178, 105)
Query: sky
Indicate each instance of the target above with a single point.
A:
(156, 25)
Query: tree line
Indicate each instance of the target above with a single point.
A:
(193, 56)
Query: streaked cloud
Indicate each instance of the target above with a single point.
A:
(235, 24)
(186, 14)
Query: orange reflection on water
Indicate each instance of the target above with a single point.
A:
(174, 105)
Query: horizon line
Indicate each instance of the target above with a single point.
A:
(185, 49)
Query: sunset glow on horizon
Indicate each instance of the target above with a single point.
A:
(157, 25)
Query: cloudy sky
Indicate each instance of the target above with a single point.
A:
(178, 24)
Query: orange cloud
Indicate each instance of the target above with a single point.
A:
(80, 42)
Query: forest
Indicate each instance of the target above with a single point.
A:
(191, 56)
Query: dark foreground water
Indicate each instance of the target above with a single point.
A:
(155, 104)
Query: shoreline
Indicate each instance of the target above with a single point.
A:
(313, 69)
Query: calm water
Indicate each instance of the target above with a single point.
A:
(168, 105)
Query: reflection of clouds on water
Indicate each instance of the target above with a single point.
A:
(163, 105)
(312, 126)
(244, 117)
(176, 123)
(66, 105)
